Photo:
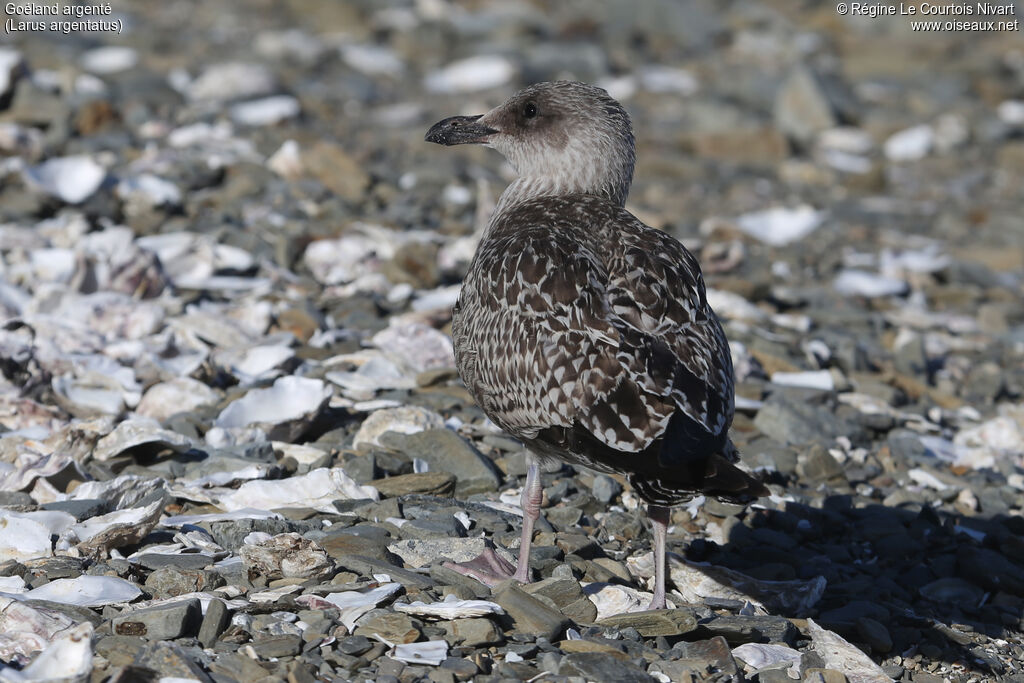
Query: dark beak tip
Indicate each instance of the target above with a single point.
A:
(457, 130)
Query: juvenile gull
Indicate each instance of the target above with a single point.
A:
(584, 332)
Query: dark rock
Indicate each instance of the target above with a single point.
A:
(530, 614)
(706, 656)
(172, 661)
(162, 622)
(446, 451)
(650, 623)
(601, 666)
(214, 622)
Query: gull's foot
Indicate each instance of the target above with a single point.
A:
(657, 603)
(489, 568)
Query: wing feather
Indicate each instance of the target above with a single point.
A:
(588, 319)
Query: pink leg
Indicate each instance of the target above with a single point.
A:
(659, 525)
(533, 492)
(489, 568)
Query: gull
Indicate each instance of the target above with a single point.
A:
(584, 332)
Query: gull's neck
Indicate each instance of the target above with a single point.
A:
(588, 180)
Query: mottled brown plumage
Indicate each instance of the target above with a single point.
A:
(579, 329)
(588, 335)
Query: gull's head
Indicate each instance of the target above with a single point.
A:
(562, 137)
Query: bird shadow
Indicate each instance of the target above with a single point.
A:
(901, 580)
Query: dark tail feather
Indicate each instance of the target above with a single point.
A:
(720, 479)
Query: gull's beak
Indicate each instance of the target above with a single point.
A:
(459, 130)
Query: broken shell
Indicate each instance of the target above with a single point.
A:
(760, 656)
(26, 629)
(404, 420)
(97, 535)
(450, 608)
(316, 490)
(431, 652)
(85, 591)
(284, 410)
(67, 658)
(138, 432)
(286, 555)
(840, 655)
(354, 604)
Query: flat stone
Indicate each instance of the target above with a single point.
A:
(474, 632)
(171, 661)
(802, 109)
(874, 634)
(707, 656)
(738, 630)
(368, 566)
(425, 552)
(337, 170)
(848, 614)
(167, 582)
(819, 675)
(355, 645)
(651, 623)
(394, 627)
(162, 622)
(214, 622)
(605, 489)
(157, 561)
(80, 509)
(584, 645)
(449, 577)
(529, 614)
(446, 451)
(348, 542)
(430, 483)
(278, 646)
(601, 666)
(237, 667)
(119, 650)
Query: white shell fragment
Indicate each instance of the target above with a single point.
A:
(612, 598)
(316, 490)
(266, 111)
(841, 656)
(231, 80)
(780, 226)
(115, 529)
(177, 395)
(71, 179)
(109, 59)
(149, 190)
(67, 658)
(25, 629)
(813, 379)
(911, 144)
(471, 74)
(404, 420)
(137, 432)
(22, 538)
(450, 608)
(285, 408)
(418, 346)
(85, 591)
(760, 656)
(430, 652)
(853, 282)
(354, 604)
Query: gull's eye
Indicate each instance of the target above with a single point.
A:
(529, 110)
